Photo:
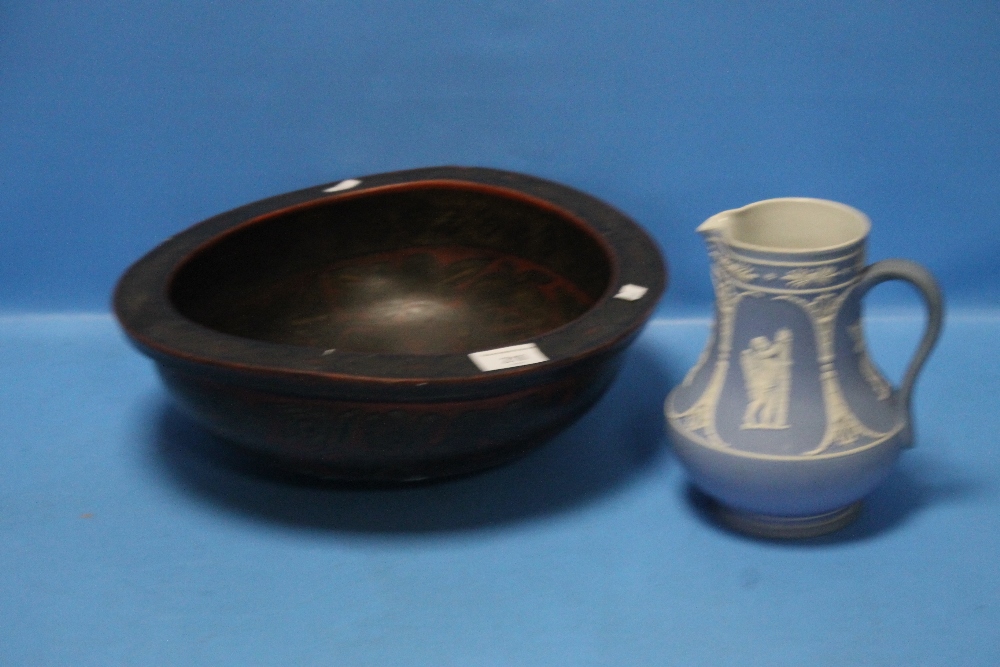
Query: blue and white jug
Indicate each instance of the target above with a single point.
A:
(784, 419)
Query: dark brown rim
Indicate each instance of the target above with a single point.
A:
(145, 311)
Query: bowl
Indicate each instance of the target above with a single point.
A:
(395, 327)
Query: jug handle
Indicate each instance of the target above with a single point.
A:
(927, 286)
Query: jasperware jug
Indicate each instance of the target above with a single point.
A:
(785, 420)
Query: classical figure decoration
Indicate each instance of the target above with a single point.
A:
(790, 275)
(767, 364)
(767, 372)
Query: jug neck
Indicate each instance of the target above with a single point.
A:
(792, 226)
(787, 245)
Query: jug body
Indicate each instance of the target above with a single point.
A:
(785, 420)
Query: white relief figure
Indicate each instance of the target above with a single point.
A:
(767, 372)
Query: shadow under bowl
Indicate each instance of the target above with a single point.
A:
(340, 331)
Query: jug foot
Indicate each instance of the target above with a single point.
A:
(787, 527)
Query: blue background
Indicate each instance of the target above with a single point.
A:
(122, 542)
(122, 123)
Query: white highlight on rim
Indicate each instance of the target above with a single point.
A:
(631, 292)
(344, 185)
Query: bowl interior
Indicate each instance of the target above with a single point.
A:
(418, 269)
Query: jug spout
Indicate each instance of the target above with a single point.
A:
(715, 225)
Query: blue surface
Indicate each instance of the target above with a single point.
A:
(123, 542)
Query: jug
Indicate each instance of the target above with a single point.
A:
(784, 420)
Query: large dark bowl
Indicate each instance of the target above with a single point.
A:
(329, 330)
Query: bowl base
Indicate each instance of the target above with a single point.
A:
(786, 527)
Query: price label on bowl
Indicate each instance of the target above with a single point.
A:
(508, 357)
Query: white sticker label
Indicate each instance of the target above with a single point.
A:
(508, 357)
(631, 292)
(344, 185)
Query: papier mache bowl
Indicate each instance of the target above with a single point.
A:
(395, 327)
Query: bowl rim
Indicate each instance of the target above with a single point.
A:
(145, 311)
